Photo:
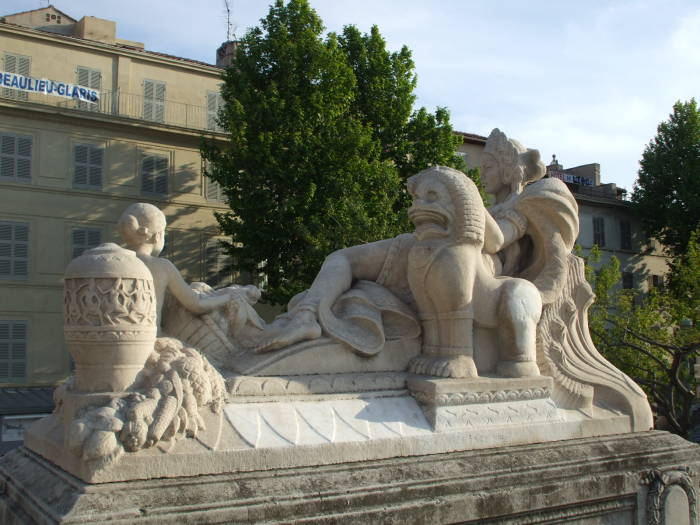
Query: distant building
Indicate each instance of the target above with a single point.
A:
(90, 124)
(606, 220)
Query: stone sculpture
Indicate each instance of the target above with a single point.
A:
(471, 292)
(468, 333)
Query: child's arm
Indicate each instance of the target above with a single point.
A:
(195, 303)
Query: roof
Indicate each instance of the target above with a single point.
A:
(26, 400)
(50, 6)
(471, 137)
(127, 47)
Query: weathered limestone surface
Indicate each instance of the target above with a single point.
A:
(444, 375)
(630, 479)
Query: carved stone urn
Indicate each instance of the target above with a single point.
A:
(109, 308)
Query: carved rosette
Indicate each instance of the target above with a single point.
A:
(109, 307)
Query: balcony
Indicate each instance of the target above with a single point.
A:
(129, 106)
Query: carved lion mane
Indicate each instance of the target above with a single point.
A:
(469, 222)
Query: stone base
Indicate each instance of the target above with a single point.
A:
(305, 421)
(641, 478)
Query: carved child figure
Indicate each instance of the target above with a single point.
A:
(142, 227)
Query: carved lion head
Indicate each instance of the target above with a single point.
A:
(446, 203)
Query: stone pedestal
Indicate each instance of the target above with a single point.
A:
(648, 477)
(455, 404)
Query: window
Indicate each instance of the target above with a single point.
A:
(625, 235)
(15, 157)
(20, 65)
(656, 281)
(154, 174)
(87, 165)
(14, 250)
(85, 239)
(214, 102)
(89, 78)
(13, 350)
(214, 191)
(154, 100)
(217, 264)
(627, 280)
(599, 231)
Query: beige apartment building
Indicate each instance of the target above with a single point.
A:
(69, 166)
(606, 220)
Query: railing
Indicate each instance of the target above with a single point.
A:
(596, 192)
(126, 105)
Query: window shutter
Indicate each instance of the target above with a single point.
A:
(83, 76)
(213, 190)
(24, 66)
(80, 157)
(20, 65)
(85, 239)
(13, 350)
(11, 63)
(24, 158)
(96, 159)
(15, 157)
(14, 250)
(160, 102)
(7, 152)
(148, 100)
(154, 174)
(154, 101)
(87, 164)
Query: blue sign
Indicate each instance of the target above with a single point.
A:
(48, 87)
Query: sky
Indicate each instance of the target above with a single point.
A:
(587, 81)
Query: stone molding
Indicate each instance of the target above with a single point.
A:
(492, 396)
(315, 384)
(659, 483)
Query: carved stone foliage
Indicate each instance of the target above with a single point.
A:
(567, 353)
(109, 302)
(175, 384)
(660, 509)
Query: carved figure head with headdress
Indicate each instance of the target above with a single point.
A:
(143, 224)
(446, 203)
(508, 166)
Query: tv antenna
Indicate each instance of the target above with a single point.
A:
(230, 26)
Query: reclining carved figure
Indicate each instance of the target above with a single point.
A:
(440, 273)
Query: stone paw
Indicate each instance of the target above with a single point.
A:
(457, 367)
(517, 369)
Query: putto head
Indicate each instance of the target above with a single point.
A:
(143, 224)
(506, 162)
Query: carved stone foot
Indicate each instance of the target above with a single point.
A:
(301, 327)
(517, 369)
(458, 367)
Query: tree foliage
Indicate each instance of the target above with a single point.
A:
(667, 192)
(654, 338)
(322, 135)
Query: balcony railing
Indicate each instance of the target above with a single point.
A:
(127, 105)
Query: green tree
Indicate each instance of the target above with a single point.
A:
(322, 135)
(654, 338)
(666, 195)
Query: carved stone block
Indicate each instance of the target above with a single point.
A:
(455, 404)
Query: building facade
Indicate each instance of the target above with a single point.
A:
(606, 220)
(70, 165)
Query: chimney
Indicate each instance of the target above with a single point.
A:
(226, 53)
